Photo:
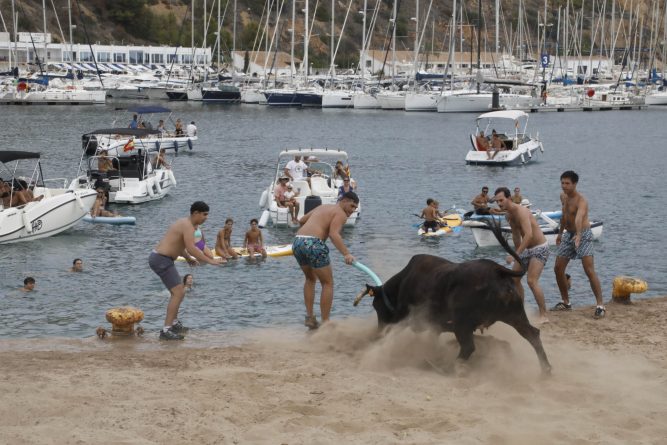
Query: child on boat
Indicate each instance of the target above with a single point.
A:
(430, 214)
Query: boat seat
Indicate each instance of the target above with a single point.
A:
(473, 141)
(319, 186)
(302, 187)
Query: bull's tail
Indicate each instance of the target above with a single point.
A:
(494, 225)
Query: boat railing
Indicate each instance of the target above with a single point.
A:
(60, 183)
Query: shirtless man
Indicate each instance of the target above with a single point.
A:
(28, 285)
(223, 243)
(77, 265)
(481, 203)
(576, 243)
(529, 243)
(15, 198)
(497, 144)
(482, 143)
(430, 215)
(179, 240)
(99, 208)
(312, 253)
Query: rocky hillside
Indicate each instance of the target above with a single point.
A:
(168, 22)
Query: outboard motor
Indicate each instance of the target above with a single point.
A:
(495, 99)
(89, 144)
(311, 202)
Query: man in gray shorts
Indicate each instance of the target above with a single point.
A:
(530, 244)
(576, 243)
(179, 240)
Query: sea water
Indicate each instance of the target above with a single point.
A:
(398, 160)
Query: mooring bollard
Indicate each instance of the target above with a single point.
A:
(623, 286)
(122, 320)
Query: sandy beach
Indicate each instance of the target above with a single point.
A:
(343, 384)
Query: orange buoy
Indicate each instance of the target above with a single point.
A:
(122, 320)
(623, 286)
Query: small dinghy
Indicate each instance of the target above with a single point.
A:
(114, 220)
(272, 251)
(448, 224)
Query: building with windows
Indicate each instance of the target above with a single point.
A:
(28, 47)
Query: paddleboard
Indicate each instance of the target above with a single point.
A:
(116, 220)
(272, 251)
(452, 225)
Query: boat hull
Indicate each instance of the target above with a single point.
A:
(484, 236)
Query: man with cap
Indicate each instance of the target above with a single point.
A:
(281, 200)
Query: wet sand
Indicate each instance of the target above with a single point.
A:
(342, 384)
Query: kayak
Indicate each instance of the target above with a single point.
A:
(272, 251)
(450, 224)
(116, 220)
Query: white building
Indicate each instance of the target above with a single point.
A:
(29, 46)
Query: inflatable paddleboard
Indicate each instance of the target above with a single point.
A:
(452, 224)
(272, 251)
(116, 220)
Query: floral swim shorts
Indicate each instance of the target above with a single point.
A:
(541, 253)
(310, 251)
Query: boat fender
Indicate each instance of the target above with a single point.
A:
(190, 143)
(530, 155)
(523, 159)
(264, 219)
(157, 180)
(26, 222)
(541, 147)
(79, 201)
(263, 199)
(149, 189)
(171, 177)
(176, 146)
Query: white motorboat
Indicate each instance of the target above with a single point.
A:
(130, 179)
(320, 188)
(658, 97)
(521, 147)
(117, 140)
(57, 210)
(484, 236)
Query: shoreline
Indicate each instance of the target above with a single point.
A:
(342, 383)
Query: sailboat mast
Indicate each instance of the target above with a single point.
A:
(292, 43)
(393, 45)
(497, 28)
(305, 44)
(44, 19)
(234, 29)
(363, 46)
(479, 41)
(416, 38)
(217, 40)
(71, 39)
(332, 38)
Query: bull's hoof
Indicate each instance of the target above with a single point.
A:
(461, 368)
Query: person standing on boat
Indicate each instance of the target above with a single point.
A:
(576, 243)
(135, 122)
(296, 169)
(312, 254)
(531, 245)
(178, 240)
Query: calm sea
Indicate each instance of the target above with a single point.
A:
(398, 159)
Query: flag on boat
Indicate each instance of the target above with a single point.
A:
(129, 146)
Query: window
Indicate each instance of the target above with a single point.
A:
(136, 57)
(104, 57)
(67, 56)
(172, 58)
(119, 57)
(201, 60)
(186, 58)
(157, 58)
(85, 56)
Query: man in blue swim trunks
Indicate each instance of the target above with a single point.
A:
(179, 240)
(576, 243)
(312, 254)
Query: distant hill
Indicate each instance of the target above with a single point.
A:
(168, 22)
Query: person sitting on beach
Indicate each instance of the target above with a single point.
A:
(281, 201)
(179, 128)
(28, 285)
(253, 240)
(223, 242)
(77, 265)
(188, 282)
(482, 142)
(100, 206)
(430, 216)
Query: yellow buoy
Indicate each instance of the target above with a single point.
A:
(623, 286)
(122, 320)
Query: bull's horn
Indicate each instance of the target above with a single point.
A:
(360, 296)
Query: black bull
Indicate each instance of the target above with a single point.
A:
(457, 297)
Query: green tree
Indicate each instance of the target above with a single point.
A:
(248, 34)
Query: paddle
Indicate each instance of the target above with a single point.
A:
(369, 272)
